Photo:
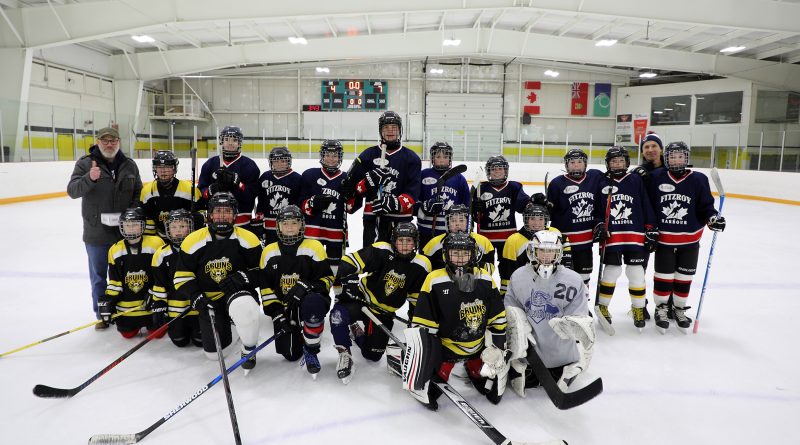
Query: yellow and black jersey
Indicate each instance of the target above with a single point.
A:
(515, 255)
(164, 264)
(486, 252)
(204, 261)
(158, 201)
(460, 319)
(282, 266)
(390, 281)
(130, 275)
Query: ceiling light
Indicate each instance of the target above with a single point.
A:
(658, 112)
(732, 49)
(606, 42)
(436, 71)
(298, 41)
(680, 104)
(647, 75)
(451, 42)
(700, 98)
(143, 39)
(551, 73)
(323, 69)
(667, 109)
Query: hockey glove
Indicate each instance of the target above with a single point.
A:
(201, 303)
(541, 199)
(234, 283)
(228, 179)
(432, 206)
(568, 376)
(280, 323)
(351, 289)
(641, 171)
(478, 206)
(495, 361)
(650, 239)
(388, 203)
(600, 234)
(320, 202)
(716, 223)
(106, 308)
(296, 294)
(378, 177)
(159, 310)
(347, 188)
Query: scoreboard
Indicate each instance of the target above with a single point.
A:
(353, 95)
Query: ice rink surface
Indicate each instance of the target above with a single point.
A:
(735, 382)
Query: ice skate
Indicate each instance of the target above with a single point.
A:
(684, 322)
(250, 363)
(662, 322)
(344, 368)
(638, 317)
(311, 361)
(604, 319)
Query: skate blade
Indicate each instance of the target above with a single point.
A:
(685, 331)
(346, 380)
(640, 330)
(314, 376)
(605, 325)
(661, 330)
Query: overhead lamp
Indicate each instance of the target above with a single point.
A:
(667, 109)
(451, 42)
(647, 75)
(606, 42)
(323, 69)
(436, 71)
(298, 41)
(658, 112)
(551, 73)
(143, 39)
(680, 104)
(731, 49)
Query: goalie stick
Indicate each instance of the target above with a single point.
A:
(562, 400)
(718, 185)
(457, 170)
(60, 393)
(477, 418)
(128, 439)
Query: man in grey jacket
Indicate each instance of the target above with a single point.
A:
(109, 182)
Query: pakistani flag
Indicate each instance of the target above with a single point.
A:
(602, 99)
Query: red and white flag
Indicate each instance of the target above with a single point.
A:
(531, 97)
(580, 98)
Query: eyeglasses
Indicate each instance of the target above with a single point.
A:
(109, 141)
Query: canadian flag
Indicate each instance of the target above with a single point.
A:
(531, 97)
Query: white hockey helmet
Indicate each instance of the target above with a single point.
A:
(544, 251)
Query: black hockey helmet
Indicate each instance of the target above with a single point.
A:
(496, 161)
(222, 200)
(674, 166)
(388, 118)
(459, 241)
(231, 131)
(131, 223)
(533, 210)
(280, 153)
(401, 230)
(331, 146)
(455, 211)
(290, 213)
(575, 153)
(441, 147)
(617, 152)
(166, 158)
(178, 216)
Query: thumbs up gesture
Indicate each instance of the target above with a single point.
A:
(94, 172)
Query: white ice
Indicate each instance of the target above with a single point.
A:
(735, 382)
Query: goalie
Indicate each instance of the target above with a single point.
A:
(546, 306)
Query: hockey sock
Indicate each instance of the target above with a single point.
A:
(608, 282)
(662, 287)
(636, 285)
(683, 284)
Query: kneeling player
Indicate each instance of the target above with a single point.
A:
(394, 273)
(295, 280)
(550, 300)
(456, 306)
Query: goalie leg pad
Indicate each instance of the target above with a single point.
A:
(517, 330)
(423, 356)
(394, 359)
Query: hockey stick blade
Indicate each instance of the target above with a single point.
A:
(457, 170)
(562, 400)
(717, 181)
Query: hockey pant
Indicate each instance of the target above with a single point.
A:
(311, 315)
(373, 341)
(185, 331)
(129, 326)
(385, 233)
(583, 263)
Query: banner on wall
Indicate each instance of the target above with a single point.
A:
(580, 98)
(531, 97)
(602, 99)
(624, 129)
(639, 127)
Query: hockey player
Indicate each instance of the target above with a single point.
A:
(628, 234)
(231, 172)
(550, 301)
(166, 193)
(295, 280)
(572, 196)
(393, 274)
(164, 302)
(684, 206)
(322, 203)
(456, 307)
(458, 220)
(453, 192)
(389, 192)
(515, 255)
(277, 188)
(130, 275)
(495, 210)
(217, 269)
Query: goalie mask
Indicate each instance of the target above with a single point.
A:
(291, 225)
(405, 238)
(444, 150)
(493, 169)
(331, 154)
(392, 135)
(230, 139)
(280, 160)
(460, 257)
(178, 226)
(676, 157)
(535, 217)
(222, 210)
(131, 223)
(575, 163)
(544, 252)
(458, 219)
(617, 161)
(165, 166)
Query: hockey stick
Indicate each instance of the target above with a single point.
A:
(545, 183)
(225, 383)
(601, 320)
(66, 332)
(561, 400)
(193, 155)
(477, 188)
(457, 170)
(718, 184)
(60, 393)
(127, 439)
(477, 418)
(380, 194)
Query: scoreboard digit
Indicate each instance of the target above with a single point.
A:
(353, 95)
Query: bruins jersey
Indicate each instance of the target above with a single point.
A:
(460, 319)
(157, 204)
(283, 266)
(389, 281)
(486, 252)
(130, 275)
(203, 261)
(515, 255)
(163, 265)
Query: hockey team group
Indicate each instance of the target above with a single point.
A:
(197, 262)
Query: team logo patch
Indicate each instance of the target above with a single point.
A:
(136, 281)
(674, 211)
(288, 282)
(472, 314)
(486, 196)
(612, 188)
(377, 161)
(162, 217)
(570, 189)
(321, 182)
(621, 212)
(265, 183)
(499, 214)
(666, 188)
(429, 181)
(393, 281)
(583, 208)
(539, 307)
(218, 269)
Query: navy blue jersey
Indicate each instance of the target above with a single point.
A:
(454, 191)
(405, 166)
(573, 207)
(275, 193)
(325, 225)
(502, 205)
(630, 212)
(245, 195)
(682, 206)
